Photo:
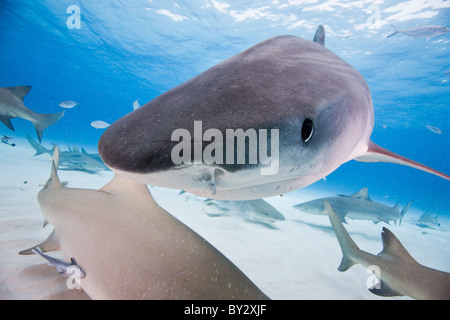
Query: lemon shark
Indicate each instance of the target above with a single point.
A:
(11, 106)
(286, 105)
(357, 206)
(400, 274)
(130, 248)
(73, 159)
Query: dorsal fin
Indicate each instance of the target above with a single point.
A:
(54, 181)
(319, 37)
(55, 156)
(20, 91)
(362, 194)
(392, 247)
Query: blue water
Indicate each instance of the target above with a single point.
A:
(137, 49)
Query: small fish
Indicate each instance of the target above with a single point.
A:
(68, 104)
(65, 268)
(100, 124)
(434, 129)
(421, 31)
(136, 104)
(6, 139)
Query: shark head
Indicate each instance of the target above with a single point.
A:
(275, 118)
(311, 207)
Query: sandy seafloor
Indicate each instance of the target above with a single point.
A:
(294, 259)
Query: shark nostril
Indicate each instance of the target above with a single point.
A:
(307, 130)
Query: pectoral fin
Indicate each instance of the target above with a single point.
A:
(7, 122)
(50, 244)
(19, 91)
(376, 153)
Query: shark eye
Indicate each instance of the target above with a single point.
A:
(307, 130)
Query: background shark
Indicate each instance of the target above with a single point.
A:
(399, 273)
(255, 211)
(73, 159)
(428, 221)
(421, 31)
(11, 106)
(357, 206)
(321, 106)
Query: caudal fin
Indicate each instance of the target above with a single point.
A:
(50, 244)
(404, 212)
(393, 34)
(376, 153)
(37, 146)
(44, 121)
(348, 247)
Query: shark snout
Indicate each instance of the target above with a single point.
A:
(129, 145)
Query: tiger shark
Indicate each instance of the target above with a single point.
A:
(286, 105)
(400, 274)
(128, 247)
(11, 106)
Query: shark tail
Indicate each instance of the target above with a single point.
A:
(395, 32)
(37, 146)
(348, 247)
(44, 121)
(404, 212)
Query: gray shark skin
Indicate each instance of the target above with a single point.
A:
(421, 31)
(131, 248)
(357, 206)
(320, 105)
(67, 269)
(11, 106)
(400, 274)
(74, 159)
(254, 211)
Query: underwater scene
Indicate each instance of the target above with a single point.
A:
(222, 149)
